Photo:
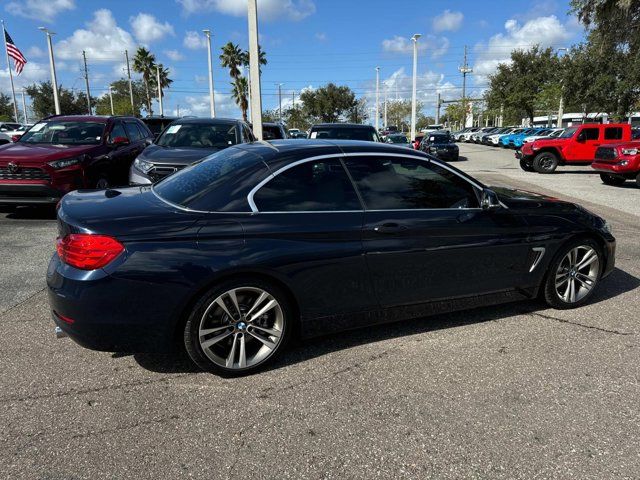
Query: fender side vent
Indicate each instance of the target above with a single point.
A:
(537, 254)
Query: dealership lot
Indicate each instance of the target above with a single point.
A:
(516, 391)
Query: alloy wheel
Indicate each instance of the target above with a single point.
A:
(577, 273)
(241, 328)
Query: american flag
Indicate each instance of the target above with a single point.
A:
(15, 53)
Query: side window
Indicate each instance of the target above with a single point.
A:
(132, 131)
(310, 186)
(388, 183)
(613, 133)
(590, 133)
(117, 131)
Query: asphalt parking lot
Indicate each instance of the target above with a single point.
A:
(516, 391)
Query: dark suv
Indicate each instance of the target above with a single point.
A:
(344, 131)
(64, 153)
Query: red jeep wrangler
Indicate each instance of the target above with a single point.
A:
(576, 146)
(618, 163)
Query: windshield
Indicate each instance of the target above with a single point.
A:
(199, 135)
(397, 139)
(439, 139)
(61, 132)
(271, 132)
(349, 133)
(568, 133)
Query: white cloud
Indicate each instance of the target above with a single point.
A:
(447, 21)
(544, 31)
(294, 10)
(34, 52)
(33, 72)
(199, 106)
(321, 36)
(193, 40)
(435, 46)
(44, 10)
(103, 40)
(147, 28)
(174, 55)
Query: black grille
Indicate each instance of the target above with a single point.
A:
(23, 173)
(606, 153)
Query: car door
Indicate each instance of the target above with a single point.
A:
(308, 221)
(121, 155)
(425, 236)
(584, 145)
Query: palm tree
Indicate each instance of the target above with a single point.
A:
(232, 58)
(262, 58)
(240, 94)
(144, 62)
(165, 81)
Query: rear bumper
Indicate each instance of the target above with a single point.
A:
(29, 194)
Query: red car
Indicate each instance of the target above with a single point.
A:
(64, 153)
(618, 163)
(577, 146)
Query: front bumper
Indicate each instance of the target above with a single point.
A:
(136, 177)
(627, 171)
(29, 194)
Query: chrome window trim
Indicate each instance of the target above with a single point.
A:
(271, 176)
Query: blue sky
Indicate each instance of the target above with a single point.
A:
(308, 43)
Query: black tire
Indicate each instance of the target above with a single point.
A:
(549, 291)
(638, 179)
(525, 165)
(614, 180)
(545, 162)
(192, 326)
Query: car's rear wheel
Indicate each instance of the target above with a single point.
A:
(238, 327)
(573, 274)
(545, 162)
(525, 165)
(609, 179)
(638, 179)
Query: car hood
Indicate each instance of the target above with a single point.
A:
(550, 142)
(33, 155)
(523, 199)
(126, 213)
(175, 155)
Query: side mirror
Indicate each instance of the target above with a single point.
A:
(15, 138)
(489, 200)
(119, 141)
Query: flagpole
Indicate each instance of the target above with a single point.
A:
(13, 89)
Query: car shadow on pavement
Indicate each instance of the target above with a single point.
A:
(47, 212)
(617, 283)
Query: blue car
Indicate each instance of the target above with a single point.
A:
(505, 139)
(517, 140)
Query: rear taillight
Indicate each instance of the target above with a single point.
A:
(88, 252)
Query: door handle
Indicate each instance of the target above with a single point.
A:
(389, 228)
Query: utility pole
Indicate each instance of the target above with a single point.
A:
(212, 103)
(415, 80)
(111, 100)
(159, 90)
(254, 69)
(52, 64)
(464, 69)
(178, 110)
(377, 99)
(86, 80)
(24, 109)
(126, 56)
(385, 107)
(13, 90)
(438, 103)
(280, 101)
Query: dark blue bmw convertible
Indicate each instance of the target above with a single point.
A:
(235, 254)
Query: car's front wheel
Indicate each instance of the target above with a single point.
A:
(614, 180)
(525, 165)
(573, 274)
(545, 162)
(238, 327)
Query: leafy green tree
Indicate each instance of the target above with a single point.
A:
(399, 113)
(6, 108)
(71, 103)
(359, 113)
(121, 99)
(240, 94)
(271, 115)
(520, 84)
(329, 103)
(296, 117)
(233, 57)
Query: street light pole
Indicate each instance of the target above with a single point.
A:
(52, 64)
(415, 81)
(385, 107)
(126, 56)
(111, 100)
(561, 106)
(159, 90)
(212, 104)
(377, 99)
(254, 69)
